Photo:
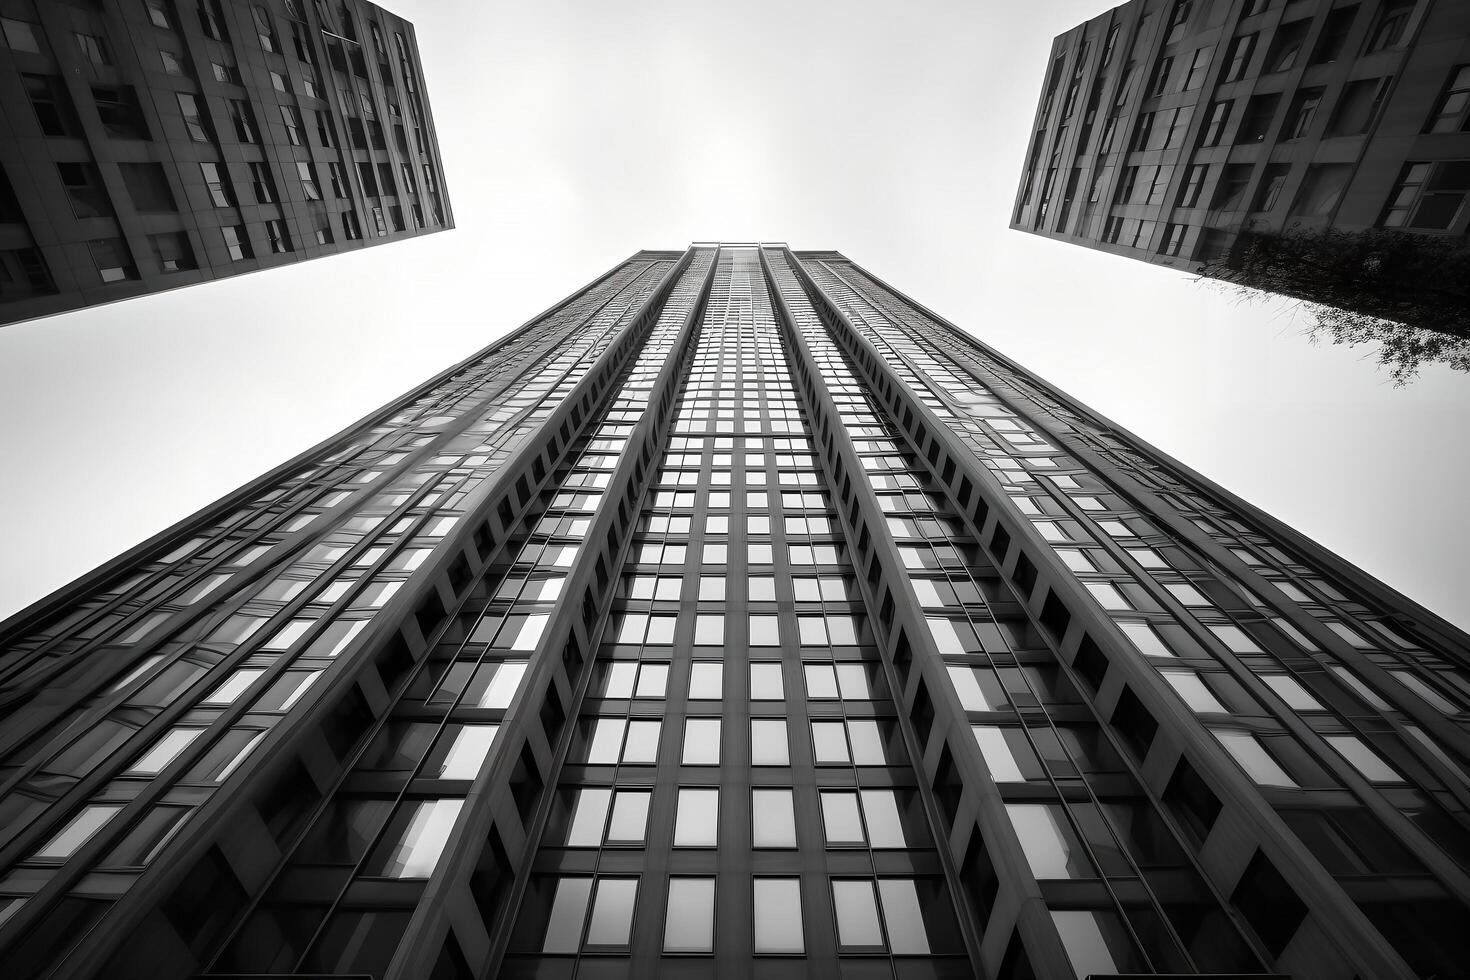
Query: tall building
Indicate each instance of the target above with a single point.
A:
(736, 615)
(1167, 128)
(151, 144)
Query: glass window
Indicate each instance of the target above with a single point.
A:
(867, 743)
(773, 818)
(841, 819)
(1193, 689)
(709, 629)
(768, 745)
(629, 823)
(778, 923)
(234, 686)
(1146, 639)
(765, 682)
(1290, 691)
(165, 750)
(612, 912)
(997, 752)
(856, 905)
(903, 916)
(589, 815)
(1365, 760)
(701, 742)
(1087, 948)
(880, 812)
(706, 681)
(689, 925)
(696, 822)
(568, 912)
(642, 743)
(81, 829)
(1048, 841)
(1252, 756)
(461, 752)
(765, 631)
(414, 840)
(829, 742)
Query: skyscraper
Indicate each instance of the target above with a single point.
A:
(151, 144)
(735, 615)
(1168, 128)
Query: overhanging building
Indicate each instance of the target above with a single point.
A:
(735, 616)
(152, 144)
(1168, 128)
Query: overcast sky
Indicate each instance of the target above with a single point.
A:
(574, 134)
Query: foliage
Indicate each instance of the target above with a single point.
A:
(1409, 294)
(1420, 281)
(1401, 349)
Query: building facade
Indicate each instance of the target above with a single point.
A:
(1168, 127)
(151, 144)
(735, 616)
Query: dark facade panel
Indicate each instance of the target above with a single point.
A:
(150, 145)
(736, 616)
(1166, 128)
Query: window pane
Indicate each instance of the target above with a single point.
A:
(1146, 639)
(462, 755)
(1363, 759)
(706, 681)
(765, 682)
(998, 756)
(829, 741)
(76, 833)
(689, 926)
(696, 823)
(1251, 756)
(902, 915)
(606, 741)
(768, 742)
(1192, 688)
(164, 751)
(415, 839)
(568, 911)
(701, 742)
(629, 822)
(773, 818)
(857, 914)
(778, 926)
(642, 744)
(612, 912)
(1083, 940)
(1050, 846)
(588, 817)
(841, 819)
(885, 827)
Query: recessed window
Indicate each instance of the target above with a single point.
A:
(571, 928)
(113, 260)
(768, 745)
(164, 751)
(773, 818)
(689, 922)
(1248, 752)
(1146, 639)
(1051, 846)
(696, 820)
(1193, 689)
(701, 742)
(82, 828)
(778, 915)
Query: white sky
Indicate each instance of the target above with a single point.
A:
(575, 133)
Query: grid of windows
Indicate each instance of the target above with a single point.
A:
(260, 85)
(799, 627)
